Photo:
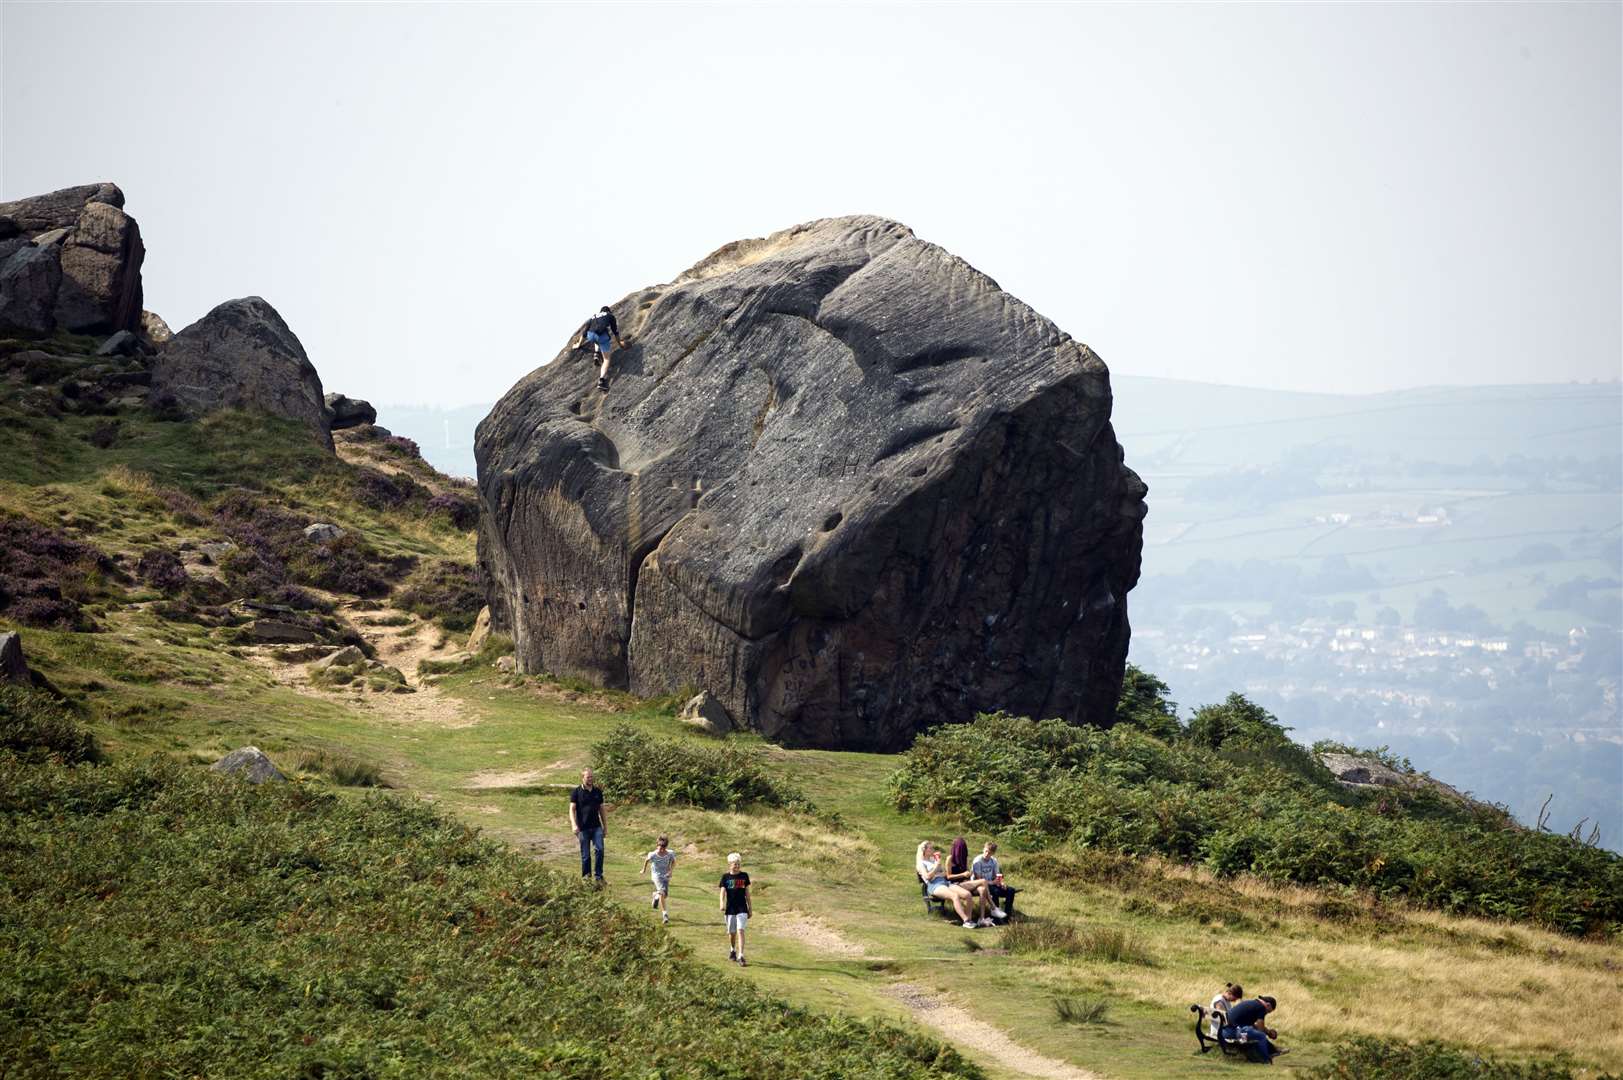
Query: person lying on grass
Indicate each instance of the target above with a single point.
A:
(735, 906)
(961, 874)
(933, 873)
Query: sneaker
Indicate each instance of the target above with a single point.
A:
(732, 954)
(999, 913)
(1280, 1050)
(969, 924)
(745, 963)
(602, 384)
(665, 917)
(985, 923)
(656, 901)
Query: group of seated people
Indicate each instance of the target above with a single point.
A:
(975, 889)
(1240, 1019)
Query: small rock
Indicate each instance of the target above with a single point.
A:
(251, 764)
(321, 532)
(13, 667)
(123, 343)
(481, 630)
(704, 712)
(348, 412)
(217, 549)
(344, 657)
(506, 663)
(53, 236)
(154, 329)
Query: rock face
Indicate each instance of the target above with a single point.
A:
(13, 666)
(704, 712)
(154, 329)
(842, 481)
(347, 412)
(241, 355)
(1367, 770)
(97, 253)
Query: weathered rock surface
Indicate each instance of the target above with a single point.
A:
(1367, 770)
(481, 630)
(29, 281)
(241, 355)
(321, 532)
(154, 329)
(13, 665)
(707, 714)
(124, 343)
(251, 764)
(348, 412)
(98, 253)
(842, 481)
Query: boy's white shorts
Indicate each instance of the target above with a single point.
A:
(736, 923)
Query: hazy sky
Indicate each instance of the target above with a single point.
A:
(1346, 198)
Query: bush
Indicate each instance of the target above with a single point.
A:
(273, 552)
(1081, 1010)
(445, 591)
(1239, 797)
(288, 931)
(462, 511)
(1367, 1058)
(162, 569)
(345, 769)
(35, 727)
(640, 768)
(385, 491)
(47, 575)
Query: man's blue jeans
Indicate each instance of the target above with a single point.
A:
(1256, 1036)
(591, 839)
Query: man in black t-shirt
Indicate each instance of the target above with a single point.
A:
(602, 333)
(1245, 1018)
(587, 816)
(735, 906)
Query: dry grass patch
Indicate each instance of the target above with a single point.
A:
(800, 836)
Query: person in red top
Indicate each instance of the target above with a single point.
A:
(735, 906)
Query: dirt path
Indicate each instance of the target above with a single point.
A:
(980, 1039)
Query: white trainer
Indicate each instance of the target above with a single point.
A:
(986, 922)
(999, 913)
(969, 924)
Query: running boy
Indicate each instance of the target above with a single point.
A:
(735, 905)
(660, 860)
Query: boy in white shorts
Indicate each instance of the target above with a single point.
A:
(660, 861)
(735, 906)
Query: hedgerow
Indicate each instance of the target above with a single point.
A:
(638, 767)
(1237, 796)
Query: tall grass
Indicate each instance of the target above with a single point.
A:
(1108, 944)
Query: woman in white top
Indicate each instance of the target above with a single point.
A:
(934, 875)
(1220, 1006)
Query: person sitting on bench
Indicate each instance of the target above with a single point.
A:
(928, 863)
(986, 869)
(1245, 1020)
(959, 874)
(1230, 993)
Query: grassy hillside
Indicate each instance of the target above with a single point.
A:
(408, 903)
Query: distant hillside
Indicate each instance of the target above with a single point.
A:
(1454, 537)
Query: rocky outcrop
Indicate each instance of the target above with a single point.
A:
(1369, 771)
(241, 355)
(251, 764)
(96, 251)
(347, 412)
(13, 666)
(154, 329)
(842, 481)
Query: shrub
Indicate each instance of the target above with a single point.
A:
(445, 591)
(47, 575)
(385, 491)
(272, 551)
(1239, 797)
(345, 769)
(1368, 1058)
(640, 768)
(461, 510)
(161, 568)
(35, 727)
(1081, 1010)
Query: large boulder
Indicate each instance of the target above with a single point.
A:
(251, 764)
(29, 282)
(13, 666)
(98, 251)
(154, 329)
(241, 355)
(348, 412)
(842, 481)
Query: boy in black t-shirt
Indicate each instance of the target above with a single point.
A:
(735, 905)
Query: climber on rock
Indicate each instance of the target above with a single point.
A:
(603, 333)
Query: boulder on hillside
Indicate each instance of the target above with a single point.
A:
(154, 329)
(29, 281)
(842, 481)
(1368, 770)
(251, 764)
(98, 252)
(481, 630)
(13, 666)
(124, 343)
(707, 714)
(242, 355)
(347, 412)
(321, 532)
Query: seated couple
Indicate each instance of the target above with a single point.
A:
(972, 889)
(1240, 1018)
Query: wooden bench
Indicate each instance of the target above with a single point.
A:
(1003, 897)
(1209, 1030)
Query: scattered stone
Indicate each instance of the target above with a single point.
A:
(321, 532)
(13, 666)
(124, 343)
(154, 329)
(506, 663)
(241, 355)
(29, 281)
(826, 456)
(276, 632)
(215, 550)
(348, 412)
(707, 714)
(481, 630)
(348, 656)
(251, 764)
(297, 654)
